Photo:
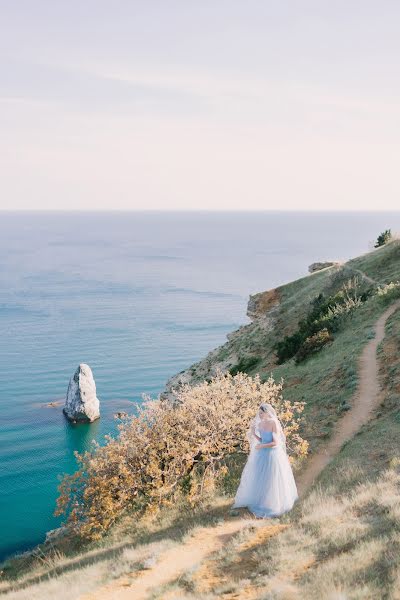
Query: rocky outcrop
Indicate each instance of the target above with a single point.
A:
(263, 304)
(82, 404)
(318, 266)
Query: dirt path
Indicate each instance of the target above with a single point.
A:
(179, 560)
(366, 277)
(172, 564)
(366, 399)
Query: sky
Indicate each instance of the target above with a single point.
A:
(199, 104)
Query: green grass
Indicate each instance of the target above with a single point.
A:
(256, 341)
(383, 264)
(327, 380)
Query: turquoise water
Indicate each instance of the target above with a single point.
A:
(137, 296)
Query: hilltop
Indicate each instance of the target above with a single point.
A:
(342, 539)
(327, 381)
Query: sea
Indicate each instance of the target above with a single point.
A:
(138, 296)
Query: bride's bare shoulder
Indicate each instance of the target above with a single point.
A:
(268, 425)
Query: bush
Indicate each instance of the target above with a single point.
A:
(325, 314)
(383, 238)
(388, 293)
(336, 314)
(245, 364)
(313, 344)
(171, 450)
(289, 346)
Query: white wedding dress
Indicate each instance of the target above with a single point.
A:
(267, 486)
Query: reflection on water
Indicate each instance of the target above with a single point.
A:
(79, 436)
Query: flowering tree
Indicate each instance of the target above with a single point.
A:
(171, 448)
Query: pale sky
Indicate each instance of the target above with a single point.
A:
(200, 104)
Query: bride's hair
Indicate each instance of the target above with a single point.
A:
(268, 409)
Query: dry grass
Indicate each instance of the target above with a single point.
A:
(333, 547)
(77, 580)
(131, 546)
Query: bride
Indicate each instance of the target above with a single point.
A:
(267, 487)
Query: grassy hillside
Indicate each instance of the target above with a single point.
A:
(328, 380)
(341, 541)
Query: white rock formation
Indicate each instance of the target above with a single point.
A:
(82, 404)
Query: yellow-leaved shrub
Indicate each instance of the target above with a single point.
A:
(170, 449)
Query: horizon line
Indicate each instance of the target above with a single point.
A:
(194, 210)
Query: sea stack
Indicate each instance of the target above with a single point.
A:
(82, 404)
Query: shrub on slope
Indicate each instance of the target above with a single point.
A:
(327, 314)
(169, 450)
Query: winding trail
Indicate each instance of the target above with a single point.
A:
(205, 541)
(366, 277)
(366, 399)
